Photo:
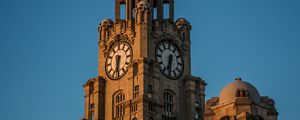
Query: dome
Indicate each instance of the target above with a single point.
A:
(181, 20)
(106, 22)
(183, 23)
(229, 92)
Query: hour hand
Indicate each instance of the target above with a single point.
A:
(118, 59)
(169, 67)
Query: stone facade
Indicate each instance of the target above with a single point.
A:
(144, 72)
(143, 92)
(240, 100)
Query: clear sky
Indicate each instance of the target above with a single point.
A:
(48, 49)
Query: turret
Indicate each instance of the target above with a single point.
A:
(143, 29)
(183, 28)
(143, 13)
(105, 29)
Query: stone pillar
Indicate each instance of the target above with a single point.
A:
(183, 29)
(171, 11)
(190, 98)
(117, 11)
(105, 30)
(128, 9)
(143, 29)
(101, 99)
(160, 10)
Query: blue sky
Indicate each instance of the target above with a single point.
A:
(48, 50)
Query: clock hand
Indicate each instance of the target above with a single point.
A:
(118, 59)
(169, 67)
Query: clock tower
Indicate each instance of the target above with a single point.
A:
(144, 66)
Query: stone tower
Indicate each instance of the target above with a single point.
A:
(144, 66)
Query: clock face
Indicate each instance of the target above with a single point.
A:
(118, 58)
(169, 60)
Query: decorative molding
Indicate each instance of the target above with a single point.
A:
(172, 37)
(105, 46)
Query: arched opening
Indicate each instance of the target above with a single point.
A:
(134, 118)
(136, 91)
(124, 9)
(258, 117)
(135, 69)
(168, 106)
(91, 115)
(225, 118)
(91, 87)
(154, 13)
(118, 105)
(166, 11)
(238, 93)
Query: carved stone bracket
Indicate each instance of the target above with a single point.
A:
(161, 36)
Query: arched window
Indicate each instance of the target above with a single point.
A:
(136, 91)
(168, 106)
(225, 118)
(258, 117)
(92, 115)
(151, 107)
(119, 105)
(238, 93)
(242, 93)
(134, 118)
(91, 89)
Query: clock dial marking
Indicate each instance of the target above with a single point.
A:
(118, 59)
(169, 59)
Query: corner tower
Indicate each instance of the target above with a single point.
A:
(144, 66)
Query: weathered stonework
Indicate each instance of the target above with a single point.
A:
(144, 93)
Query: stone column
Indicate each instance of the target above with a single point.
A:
(171, 11)
(117, 11)
(160, 10)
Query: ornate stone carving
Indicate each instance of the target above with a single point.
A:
(182, 24)
(170, 37)
(213, 101)
(105, 28)
(143, 5)
(117, 38)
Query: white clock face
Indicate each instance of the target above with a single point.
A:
(169, 60)
(118, 58)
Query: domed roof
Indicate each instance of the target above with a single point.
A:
(182, 23)
(106, 21)
(229, 92)
(182, 20)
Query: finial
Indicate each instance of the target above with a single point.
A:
(238, 79)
